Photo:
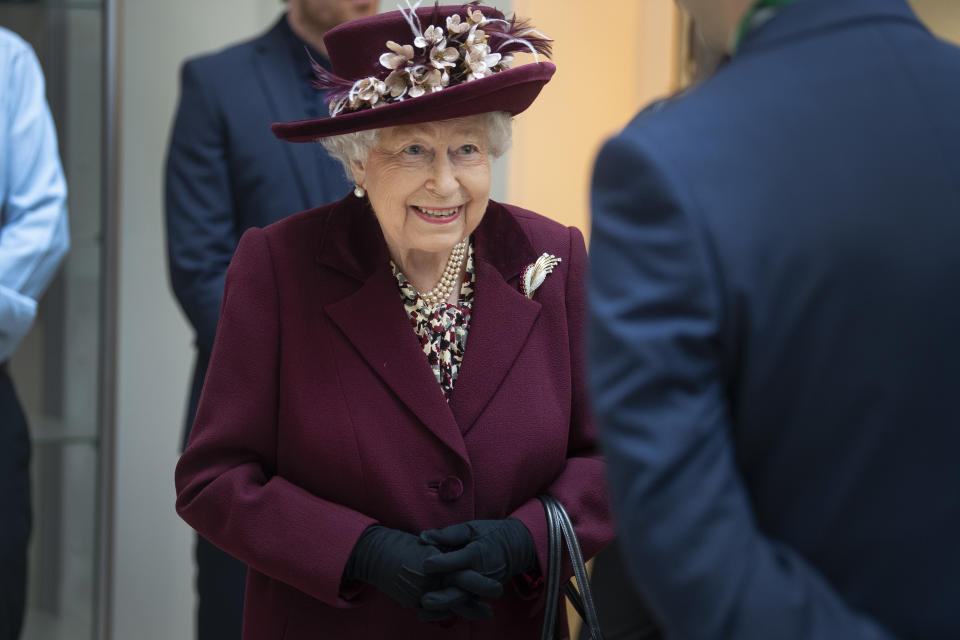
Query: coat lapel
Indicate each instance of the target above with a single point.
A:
(281, 82)
(373, 320)
(502, 316)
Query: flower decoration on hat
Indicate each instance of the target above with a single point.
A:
(463, 48)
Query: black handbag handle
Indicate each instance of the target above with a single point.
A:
(554, 558)
(559, 526)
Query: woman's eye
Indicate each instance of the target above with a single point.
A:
(413, 150)
(467, 149)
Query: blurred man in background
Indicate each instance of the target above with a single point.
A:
(774, 346)
(227, 172)
(34, 237)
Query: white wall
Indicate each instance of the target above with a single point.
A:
(153, 568)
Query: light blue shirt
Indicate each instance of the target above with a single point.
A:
(34, 235)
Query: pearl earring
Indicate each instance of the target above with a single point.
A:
(359, 191)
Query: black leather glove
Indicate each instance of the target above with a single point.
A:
(482, 554)
(449, 601)
(392, 561)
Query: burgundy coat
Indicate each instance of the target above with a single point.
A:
(320, 416)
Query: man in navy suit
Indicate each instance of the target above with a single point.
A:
(775, 354)
(227, 172)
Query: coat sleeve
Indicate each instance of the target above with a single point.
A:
(688, 530)
(581, 487)
(227, 487)
(200, 220)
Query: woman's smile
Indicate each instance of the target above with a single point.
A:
(435, 215)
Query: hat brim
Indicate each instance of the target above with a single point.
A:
(511, 90)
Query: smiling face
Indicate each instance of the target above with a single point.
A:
(428, 184)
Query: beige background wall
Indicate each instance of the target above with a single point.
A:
(610, 61)
(942, 16)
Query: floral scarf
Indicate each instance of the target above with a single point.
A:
(442, 329)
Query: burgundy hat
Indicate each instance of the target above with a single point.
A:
(423, 65)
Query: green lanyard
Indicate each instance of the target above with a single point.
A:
(748, 22)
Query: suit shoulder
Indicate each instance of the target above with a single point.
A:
(681, 132)
(224, 58)
(667, 116)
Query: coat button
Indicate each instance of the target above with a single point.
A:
(451, 488)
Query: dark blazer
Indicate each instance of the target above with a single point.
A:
(320, 416)
(775, 355)
(226, 172)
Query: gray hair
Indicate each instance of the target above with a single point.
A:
(356, 146)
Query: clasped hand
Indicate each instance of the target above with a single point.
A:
(446, 571)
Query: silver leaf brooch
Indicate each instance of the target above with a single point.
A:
(534, 274)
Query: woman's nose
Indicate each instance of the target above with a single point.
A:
(443, 181)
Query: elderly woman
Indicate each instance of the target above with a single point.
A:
(398, 375)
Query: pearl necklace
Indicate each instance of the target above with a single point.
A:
(441, 292)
